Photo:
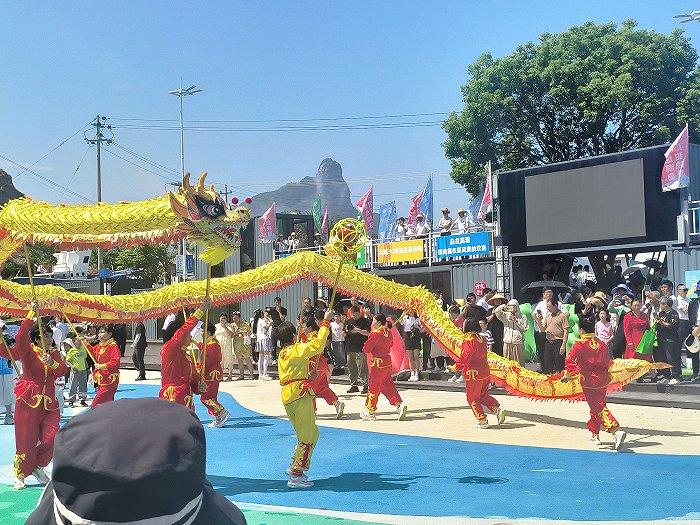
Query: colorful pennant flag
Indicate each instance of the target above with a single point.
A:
(366, 208)
(676, 171)
(267, 225)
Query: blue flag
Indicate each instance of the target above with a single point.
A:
(387, 221)
(426, 203)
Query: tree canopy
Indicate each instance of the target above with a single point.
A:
(591, 90)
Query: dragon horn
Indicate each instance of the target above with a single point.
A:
(186, 182)
(200, 183)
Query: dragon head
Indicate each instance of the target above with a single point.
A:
(208, 220)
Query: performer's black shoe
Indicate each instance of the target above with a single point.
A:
(353, 389)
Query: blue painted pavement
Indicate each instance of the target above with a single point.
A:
(377, 473)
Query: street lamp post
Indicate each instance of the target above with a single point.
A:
(181, 93)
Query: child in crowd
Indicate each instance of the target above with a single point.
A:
(76, 359)
(604, 328)
(486, 334)
(263, 344)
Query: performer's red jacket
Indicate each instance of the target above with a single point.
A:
(473, 360)
(378, 344)
(106, 353)
(212, 363)
(37, 383)
(177, 369)
(589, 357)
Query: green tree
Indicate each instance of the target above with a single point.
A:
(39, 254)
(150, 263)
(591, 90)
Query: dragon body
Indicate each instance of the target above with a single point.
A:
(194, 212)
(15, 299)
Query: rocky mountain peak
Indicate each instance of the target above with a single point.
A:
(7, 188)
(329, 170)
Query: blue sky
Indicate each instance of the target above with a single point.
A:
(63, 63)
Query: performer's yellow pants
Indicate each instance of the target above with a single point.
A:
(303, 417)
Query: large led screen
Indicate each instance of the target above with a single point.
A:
(586, 204)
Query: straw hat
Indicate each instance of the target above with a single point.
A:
(461, 211)
(496, 297)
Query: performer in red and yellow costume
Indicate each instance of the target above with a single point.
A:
(319, 371)
(179, 376)
(213, 372)
(589, 358)
(297, 397)
(475, 368)
(36, 416)
(378, 350)
(106, 373)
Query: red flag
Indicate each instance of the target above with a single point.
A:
(676, 171)
(487, 200)
(414, 209)
(366, 207)
(267, 225)
(325, 225)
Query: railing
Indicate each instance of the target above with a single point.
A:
(431, 249)
(694, 222)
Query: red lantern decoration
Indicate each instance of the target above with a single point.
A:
(248, 200)
(234, 200)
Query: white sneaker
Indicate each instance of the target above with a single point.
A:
(500, 415)
(673, 381)
(401, 410)
(459, 379)
(267, 378)
(223, 417)
(40, 475)
(288, 472)
(299, 482)
(452, 379)
(620, 436)
(19, 484)
(483, 424)
(594, 440)
(368, 417)
(339, 409)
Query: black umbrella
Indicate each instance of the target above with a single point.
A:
(554, 285)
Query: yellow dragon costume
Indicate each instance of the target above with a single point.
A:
(200, 214)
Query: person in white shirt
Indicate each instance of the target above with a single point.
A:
(292, 242)
(422, 228)
(338, 341)
(401, 229)
(445, 224)
(682, 305)
(461, 223)
(484, 300)
(263, 343)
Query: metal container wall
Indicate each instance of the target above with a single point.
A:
(681, 259)
(464, 277)
(291, 300)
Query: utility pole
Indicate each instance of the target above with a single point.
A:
(181, 93)
(99, 123)
(225, 193)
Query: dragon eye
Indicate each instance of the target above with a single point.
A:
(213, 210)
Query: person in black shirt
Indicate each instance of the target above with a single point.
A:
(357, 331)
(473, 311)
(278, 313)
(307, 312)
(668, 349)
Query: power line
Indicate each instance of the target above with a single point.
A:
(267, 121)
(146, 159)
(61, 144)
(80, 163)
(169, 179)
(393, 125)
(63, 189)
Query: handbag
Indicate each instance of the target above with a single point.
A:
(694, 346)
(647, 342)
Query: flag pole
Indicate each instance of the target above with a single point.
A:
(206, 323)
(30, 273)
